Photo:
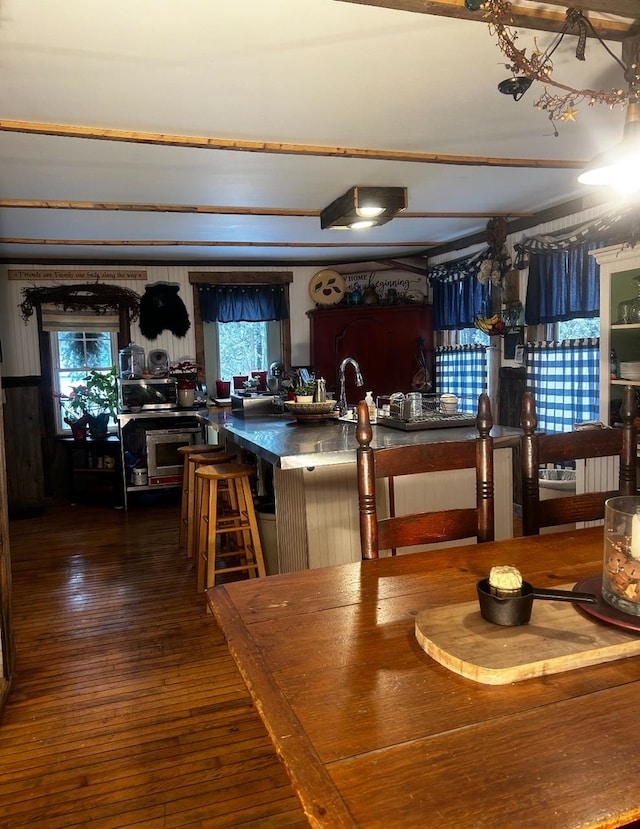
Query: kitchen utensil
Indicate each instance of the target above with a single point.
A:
(516, 610)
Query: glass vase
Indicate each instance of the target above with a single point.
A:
(621, 566)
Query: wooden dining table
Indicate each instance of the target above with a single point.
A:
(375, 733)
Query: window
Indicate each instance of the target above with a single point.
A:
(577, 328)
(242, 346)
(73, 354)
(473, 336)
(237, 348)
(245, 321)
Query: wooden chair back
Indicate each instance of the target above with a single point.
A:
(427, 527)
(538, 450)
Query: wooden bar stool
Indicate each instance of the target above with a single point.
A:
(226, 532)
(199, 450)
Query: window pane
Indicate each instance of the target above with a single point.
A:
(473, 336)
(578, 328)
(243, 347)
(85, 349)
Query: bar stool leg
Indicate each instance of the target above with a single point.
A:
(184, 506)
(207, 539)
(255, 545)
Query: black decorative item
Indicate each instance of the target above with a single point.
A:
(516, 86)
(162, 309)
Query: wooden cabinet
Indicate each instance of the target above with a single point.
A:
(384, 340)
(94, 470)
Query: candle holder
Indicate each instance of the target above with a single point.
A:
(621, 569)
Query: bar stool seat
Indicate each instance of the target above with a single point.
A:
(228, 540)
(197, 454)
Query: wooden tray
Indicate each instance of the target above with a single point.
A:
(558, 638)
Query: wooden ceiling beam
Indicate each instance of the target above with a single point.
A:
(206, 243)
(528, 17)
(226, 210)
(204, 143)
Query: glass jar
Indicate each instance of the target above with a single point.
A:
(621, 567)
(131, 362)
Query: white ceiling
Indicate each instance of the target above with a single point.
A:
(303, 73)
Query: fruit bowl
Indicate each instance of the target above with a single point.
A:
(310, 408)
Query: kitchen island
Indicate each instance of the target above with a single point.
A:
(316, 490)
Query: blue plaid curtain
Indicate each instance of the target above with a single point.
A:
(462, 370)
(243, 303)
(565, 380)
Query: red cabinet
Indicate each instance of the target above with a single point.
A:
(384, 339)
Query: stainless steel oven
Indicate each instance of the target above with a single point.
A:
(164, 461)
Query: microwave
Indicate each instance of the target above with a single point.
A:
(148, 393)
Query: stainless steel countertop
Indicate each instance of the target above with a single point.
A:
(283, 442)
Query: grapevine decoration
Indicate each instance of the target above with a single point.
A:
(498, 260)
(98, 297)
(537, 64)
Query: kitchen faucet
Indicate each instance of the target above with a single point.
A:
(342, 403)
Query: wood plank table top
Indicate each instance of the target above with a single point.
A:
(376, 734)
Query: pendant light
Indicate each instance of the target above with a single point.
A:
(619, 167)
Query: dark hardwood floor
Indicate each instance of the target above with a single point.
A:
(126, 709)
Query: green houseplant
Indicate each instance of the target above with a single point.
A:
(92, 402)
(305, 391)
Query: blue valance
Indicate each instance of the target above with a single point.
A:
(243, 303)
(458, 302)
(563, 285)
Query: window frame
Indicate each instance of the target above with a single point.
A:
(197, 278)
(62, 429)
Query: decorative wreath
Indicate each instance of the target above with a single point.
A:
(96, 297)
(537, 65)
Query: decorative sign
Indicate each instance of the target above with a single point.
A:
(404, 282)
(82, 276)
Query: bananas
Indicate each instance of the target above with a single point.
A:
(488, 323)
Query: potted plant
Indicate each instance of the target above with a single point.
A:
(91, 403)
(305, 391)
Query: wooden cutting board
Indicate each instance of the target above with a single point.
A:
(558, 638)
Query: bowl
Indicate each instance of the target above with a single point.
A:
(310, 408)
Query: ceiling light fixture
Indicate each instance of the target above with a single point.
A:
(363, 207)
(516, 86)
(619, 167)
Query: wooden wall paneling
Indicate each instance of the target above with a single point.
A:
(23, 450)
(7, 643)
